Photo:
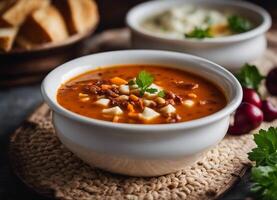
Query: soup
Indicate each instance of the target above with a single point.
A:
(141, 94)
(191, 21)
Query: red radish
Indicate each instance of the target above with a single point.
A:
(247, 117)
(251, 96)
(271, 81)
(270, 112)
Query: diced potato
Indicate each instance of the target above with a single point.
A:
(168, 109)
(123, 97)
(148, 114)
(124, 89)
(153, 95)
(188, 103)
(103, 102)
(135, 91)
(148, 102)
(160, 100)
(113, 111)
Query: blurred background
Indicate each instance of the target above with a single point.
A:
(113, 12)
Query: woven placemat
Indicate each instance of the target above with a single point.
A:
(46, 166)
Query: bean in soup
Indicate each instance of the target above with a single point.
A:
(141, 94)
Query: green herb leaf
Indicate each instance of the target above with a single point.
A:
(161, 93)
(151, 90)
(250, 77)
(131, 82)
(199, 33)
(265, 182)
(144, 80)
(264, 175)
(266, 151)
(239, 24)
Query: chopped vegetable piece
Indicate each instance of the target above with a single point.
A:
(160, 100)
(106, 87)
(188, 103)
(148, 114)
(103, 102)
(124, 89)
(199, 33)
(239, 24)
(118, 81)
(113, 111)
(192, 95)
(134, 97)
(84, 99)
(130, 108)
(168, 109)
(83, 95)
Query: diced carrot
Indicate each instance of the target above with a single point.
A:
(118, 81)
(133, 114)
(106, 87)
(130, 107)
(134, 97)
(116, 118)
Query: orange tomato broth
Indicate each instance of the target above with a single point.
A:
(165, 77)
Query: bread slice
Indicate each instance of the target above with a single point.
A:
(7, 36)
(42, 26)
(14, 12)
(80, 16)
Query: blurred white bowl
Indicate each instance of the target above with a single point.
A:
(229, 51)
(135, 149)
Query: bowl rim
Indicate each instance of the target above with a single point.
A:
(260, 29)
(232, 104)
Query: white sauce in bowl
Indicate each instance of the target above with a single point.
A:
(179, 21)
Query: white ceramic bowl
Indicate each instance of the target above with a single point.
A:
(230, 51)
(133, 149)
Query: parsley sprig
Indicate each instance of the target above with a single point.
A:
(199, 33)
(264, 174)
(250, 77)
(144, 81)
(239, 24)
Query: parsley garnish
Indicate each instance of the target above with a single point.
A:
(265, 182)
(131, 82)
(199, 33)
(239, 24)
(264, 175)
(161, 93)
(249, 76)
(266, 151)
(144, 81)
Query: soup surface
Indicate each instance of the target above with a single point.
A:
(141, 94)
